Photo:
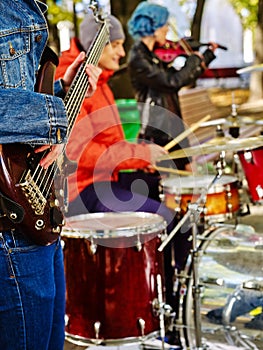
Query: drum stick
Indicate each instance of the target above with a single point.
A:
(185, 133)
(173, 171)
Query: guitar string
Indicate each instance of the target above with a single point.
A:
(82, 82)
(73, 101)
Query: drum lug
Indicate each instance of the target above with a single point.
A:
(248, 157)
(162, 197)
(97, 326)
(161, 308)
(163, 235)
(178, 201)
(141, 323)
(138, 244)
(93, 247)
(259, 191)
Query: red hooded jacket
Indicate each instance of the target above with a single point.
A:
(97, 140)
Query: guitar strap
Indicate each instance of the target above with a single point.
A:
(10, 209)
(49, 56)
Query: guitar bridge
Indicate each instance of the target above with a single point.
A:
(33, 194)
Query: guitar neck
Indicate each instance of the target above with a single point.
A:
(77, 91)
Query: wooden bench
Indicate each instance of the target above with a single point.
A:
(195, 104)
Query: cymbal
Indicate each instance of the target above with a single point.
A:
(233, 121)
(255, 67)
(216, 145)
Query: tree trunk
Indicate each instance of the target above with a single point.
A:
(120, 83)
(196, 25)
(256, 80)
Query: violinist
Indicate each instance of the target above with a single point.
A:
(158, 83)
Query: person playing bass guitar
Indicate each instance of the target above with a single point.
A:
(32, 295)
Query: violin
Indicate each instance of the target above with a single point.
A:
(183, 47)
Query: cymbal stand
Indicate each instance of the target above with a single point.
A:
(192, 214)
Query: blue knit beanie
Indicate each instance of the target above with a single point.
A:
(146, 18)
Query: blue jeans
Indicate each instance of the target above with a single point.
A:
(32, 294)
(241, 302)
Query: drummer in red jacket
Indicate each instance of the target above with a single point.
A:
(98, 145)
(97, 140)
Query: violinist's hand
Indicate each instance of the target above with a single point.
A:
(52, 155)
(156, 152)
(213, 46)
(92, 72)
(199, 54)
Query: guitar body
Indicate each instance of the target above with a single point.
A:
(41, 224)
(28, 198)
(33, 210)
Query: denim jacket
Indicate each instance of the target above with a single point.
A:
(26, 116)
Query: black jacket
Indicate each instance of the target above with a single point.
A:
(158, 84)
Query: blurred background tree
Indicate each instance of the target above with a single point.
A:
(250, 12)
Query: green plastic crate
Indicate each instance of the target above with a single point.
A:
(130, 118)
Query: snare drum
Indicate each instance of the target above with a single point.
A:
(111, 266)
(221, 202)
(252, 164)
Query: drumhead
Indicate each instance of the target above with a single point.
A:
(195, 184)
(113, 225)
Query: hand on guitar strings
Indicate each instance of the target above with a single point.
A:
(93, 73)
(52, 155)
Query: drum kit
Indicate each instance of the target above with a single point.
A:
(114, 262)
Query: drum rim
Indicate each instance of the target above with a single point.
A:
(76, 339)
(182, 189)
(106, 232)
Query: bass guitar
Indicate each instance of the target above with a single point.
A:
(28, 197)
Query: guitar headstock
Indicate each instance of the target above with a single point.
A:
(98, 13)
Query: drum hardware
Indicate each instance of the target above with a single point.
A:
(138, 243)
(141, 324)
(259, 190)
(163, 236)
(176, 281)
(213, 281)
(97, 326)
(253, 285)
(219, 272)
(93, 246)
(234, 337)
(233, 122)
(161, 309)
(192, 215)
